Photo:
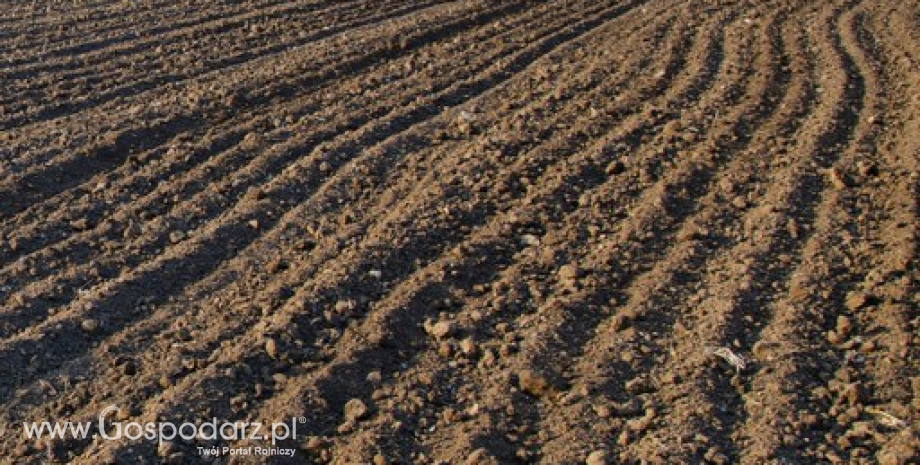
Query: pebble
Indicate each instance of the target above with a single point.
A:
(345, 305)
(81, 224)
(468, 346)
(602, 411)
(739, 202)
(569, 273)
(89, 325)
(480, 457)
(176, 237)
(598, 457)
(441, 329)
(271, 348)
(857, 300)
(355, 409)
(530, 239)
(837, 178)
(615, 167)
(374, 377)
(844, 325)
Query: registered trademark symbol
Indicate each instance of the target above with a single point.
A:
(302, 420)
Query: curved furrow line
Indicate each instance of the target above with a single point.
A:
(72, 25)
(87, 99)
(45, 178)
(209, 52)
(243, 219)
(745, 275)
(841, 252)
(160, 239)
(130, 42)
(11, 15)
(645, 281)
(677, 95)
(404, 325)
(184, 390)
(706, 261)
(213, 166)
(650, 295)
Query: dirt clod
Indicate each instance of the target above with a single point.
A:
(598, 457)
(355, 410)
(89, 325)
(534, 383)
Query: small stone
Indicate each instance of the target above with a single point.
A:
(844, 325)
(857, 300)
(480, 457)
(254, 224)
(345, 306)
(176, 237)
(80, 224)
(739, 202)
(468, 346)
(376, 274)
(441, 329)
(598, 457)
(380, 460)
(89, 325)
(271, 348)
(355, 409)
(530, 239)
(837, 178)
(569, 273)
(602, 411)
(374, 377)
(616, 167)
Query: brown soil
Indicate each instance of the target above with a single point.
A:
(631, 231)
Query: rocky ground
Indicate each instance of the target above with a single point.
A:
(645, 231)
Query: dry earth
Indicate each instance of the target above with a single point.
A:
(646, 231)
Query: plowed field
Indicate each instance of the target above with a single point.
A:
(646, 231)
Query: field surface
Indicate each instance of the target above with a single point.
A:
(623, 231)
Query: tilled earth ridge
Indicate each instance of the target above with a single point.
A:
(645, 231)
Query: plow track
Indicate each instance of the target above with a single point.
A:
(642, 231)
